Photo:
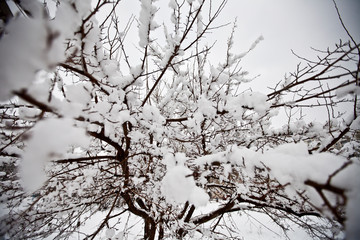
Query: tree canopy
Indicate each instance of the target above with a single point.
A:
(88, 128)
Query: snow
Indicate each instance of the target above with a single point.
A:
(350, 181)
(111, 69)
(291, 163)
(79, 93)
(152, 113)
(28, 113)
(146, 22)
(257, 41)
(110, 232)
(353, 212)
(349, 89)
(16, 71)
(205, 106)
(48, 138)
(33, 7)
(65, 23)
(29, 37)
(178, 186)
(355, 125)
(172, 4)
(251, 225)
(64, 137)
(254, 100)
(248, 225)
(299, 166)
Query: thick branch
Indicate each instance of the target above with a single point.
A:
(81, 159)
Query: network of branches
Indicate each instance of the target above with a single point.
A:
(89, 126)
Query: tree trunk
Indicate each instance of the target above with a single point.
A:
(149, 229)
(161, 232)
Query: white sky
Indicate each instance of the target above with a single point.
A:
(285, 25)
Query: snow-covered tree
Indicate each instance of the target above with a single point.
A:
(91, 124)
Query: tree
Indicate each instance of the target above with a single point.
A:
(86, 128)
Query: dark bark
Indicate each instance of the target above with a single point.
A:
(149, 229)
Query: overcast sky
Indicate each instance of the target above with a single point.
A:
(285, 25)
